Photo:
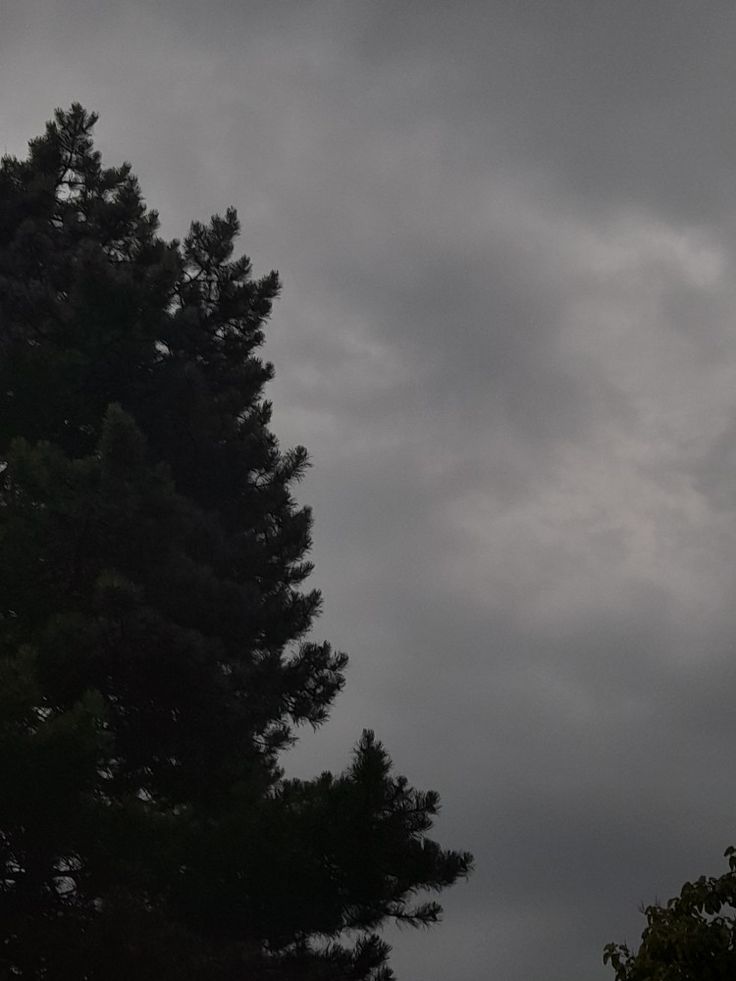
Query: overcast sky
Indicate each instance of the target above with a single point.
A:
(507, 234)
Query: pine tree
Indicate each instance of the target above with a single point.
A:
(153, 618)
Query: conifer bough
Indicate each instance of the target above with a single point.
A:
(153, 615)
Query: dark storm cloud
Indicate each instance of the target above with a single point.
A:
(507, 238)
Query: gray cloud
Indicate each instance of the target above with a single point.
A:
(507, 238)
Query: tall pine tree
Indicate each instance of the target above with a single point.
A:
(153, 615)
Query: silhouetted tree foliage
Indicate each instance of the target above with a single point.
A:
(691, 938)
(153, 617)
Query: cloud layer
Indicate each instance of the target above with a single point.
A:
(507, 234)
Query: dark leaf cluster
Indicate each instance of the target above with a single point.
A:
(690, 938)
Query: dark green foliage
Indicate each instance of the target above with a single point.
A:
(152, 619)
(692, 938)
